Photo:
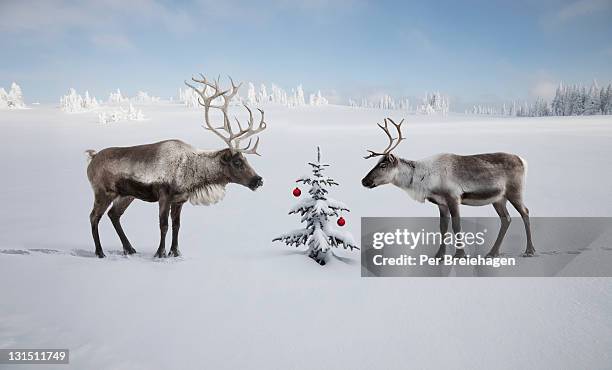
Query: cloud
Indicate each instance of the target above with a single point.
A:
(58, 17)
(112, 42)
(544, 89)
(576, 9)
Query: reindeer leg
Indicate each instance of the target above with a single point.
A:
(444, 218)
(119, 206)
(502, 211)
(524, 211)
(175, 213)
(164, 211)
(101, 202)
(453, 206)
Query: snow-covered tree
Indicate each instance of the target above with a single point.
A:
(299, 96)
(90, 102)
(263, 94)
(385, 101)
(318, 210)
(122, 114)
(277, 96)
(317, 99)
(134, 114)
(251, 95)
(188, 97)
(434, 103)
(13, 99)
(3, 99)
(605, 97)
(142, 97)
(117, 98)
(74, 103)
(404, 104)
(592, 103)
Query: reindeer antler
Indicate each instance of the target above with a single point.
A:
(231, 139)
(391, 145)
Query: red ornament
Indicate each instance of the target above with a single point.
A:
(341, 221)
(297, 192)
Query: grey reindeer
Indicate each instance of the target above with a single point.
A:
(449, 180)
(172, 172)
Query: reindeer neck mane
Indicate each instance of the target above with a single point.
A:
(207, 194)
(414, 178)
(206, 183)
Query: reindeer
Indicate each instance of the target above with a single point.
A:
(172, 172)
(449, 180)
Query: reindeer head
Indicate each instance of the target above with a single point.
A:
(385, 170)
(235, 166)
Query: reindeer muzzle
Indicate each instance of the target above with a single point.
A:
(255, 182)
(368, 183)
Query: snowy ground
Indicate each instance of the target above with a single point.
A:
(236, 300)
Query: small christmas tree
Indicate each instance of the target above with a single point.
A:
(317, 210)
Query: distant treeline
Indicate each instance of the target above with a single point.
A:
(569, 100)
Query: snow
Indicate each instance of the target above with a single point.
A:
(236, 300)
(130, 113)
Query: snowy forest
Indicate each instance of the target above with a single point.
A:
(432, 103)
(275, 95)
(569, 100)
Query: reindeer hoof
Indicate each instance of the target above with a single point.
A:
(100, 254)
(129, 250)
(174, 253)
(161, 254)
(529, 253)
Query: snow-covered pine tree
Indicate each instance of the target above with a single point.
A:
(592, 104)
(3, 99)
(317, 210)
(14, 98)
(251, 96)
(263, 94)
(606, 100)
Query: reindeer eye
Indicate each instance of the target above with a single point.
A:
(237, 162)
(383, 165)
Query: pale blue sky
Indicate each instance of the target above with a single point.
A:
(474, 51)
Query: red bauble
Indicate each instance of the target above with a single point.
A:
(341, 221)
(297, 192)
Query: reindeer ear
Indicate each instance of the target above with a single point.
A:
(226, 156)
(392, 159)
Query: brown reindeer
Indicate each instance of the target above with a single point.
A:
(449, 180)
(172, 172)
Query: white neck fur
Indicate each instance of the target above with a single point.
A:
(207, 195)
(414, 180)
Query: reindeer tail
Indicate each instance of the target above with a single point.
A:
(526, 167)
(90, 154)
